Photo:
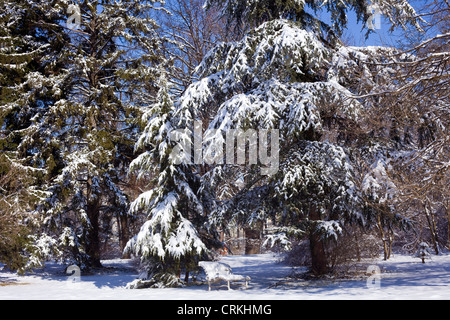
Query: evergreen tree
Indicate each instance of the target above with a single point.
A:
(70, 100)
(171, 239)
(31, 77)
(316, 196)
(273, 79)
(247, 15)
(110, 70)
(285, 75)
(14, 203)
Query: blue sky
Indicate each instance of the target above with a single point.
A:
(355, 34)
(380, 37)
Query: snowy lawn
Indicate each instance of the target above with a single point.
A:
(402, 277)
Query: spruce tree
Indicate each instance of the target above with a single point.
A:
(170, 241)
(14, 202)
(71, 94)
(110, 70)
(31, 78)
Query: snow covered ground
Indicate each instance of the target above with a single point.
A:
(402, 277)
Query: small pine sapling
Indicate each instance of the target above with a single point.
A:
(423, 252)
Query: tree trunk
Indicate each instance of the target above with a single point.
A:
(253, 239)
(433, 228)
(93, 240)
(124, 235)
(391, 240)
(448, 227)
(385, 239)
(318, 255)
(358, 249)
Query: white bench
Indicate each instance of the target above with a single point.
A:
(218, 271)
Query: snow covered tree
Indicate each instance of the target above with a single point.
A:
(172, 239)
(247, 15)
(371, 136)
(421, 93)
(31, 58)
(113, 62)
(70, 100)
(271, 79)
(14, 206)
(410, 123)
(285, 74)
(30, 62)
(316, 195)
(423, 252)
